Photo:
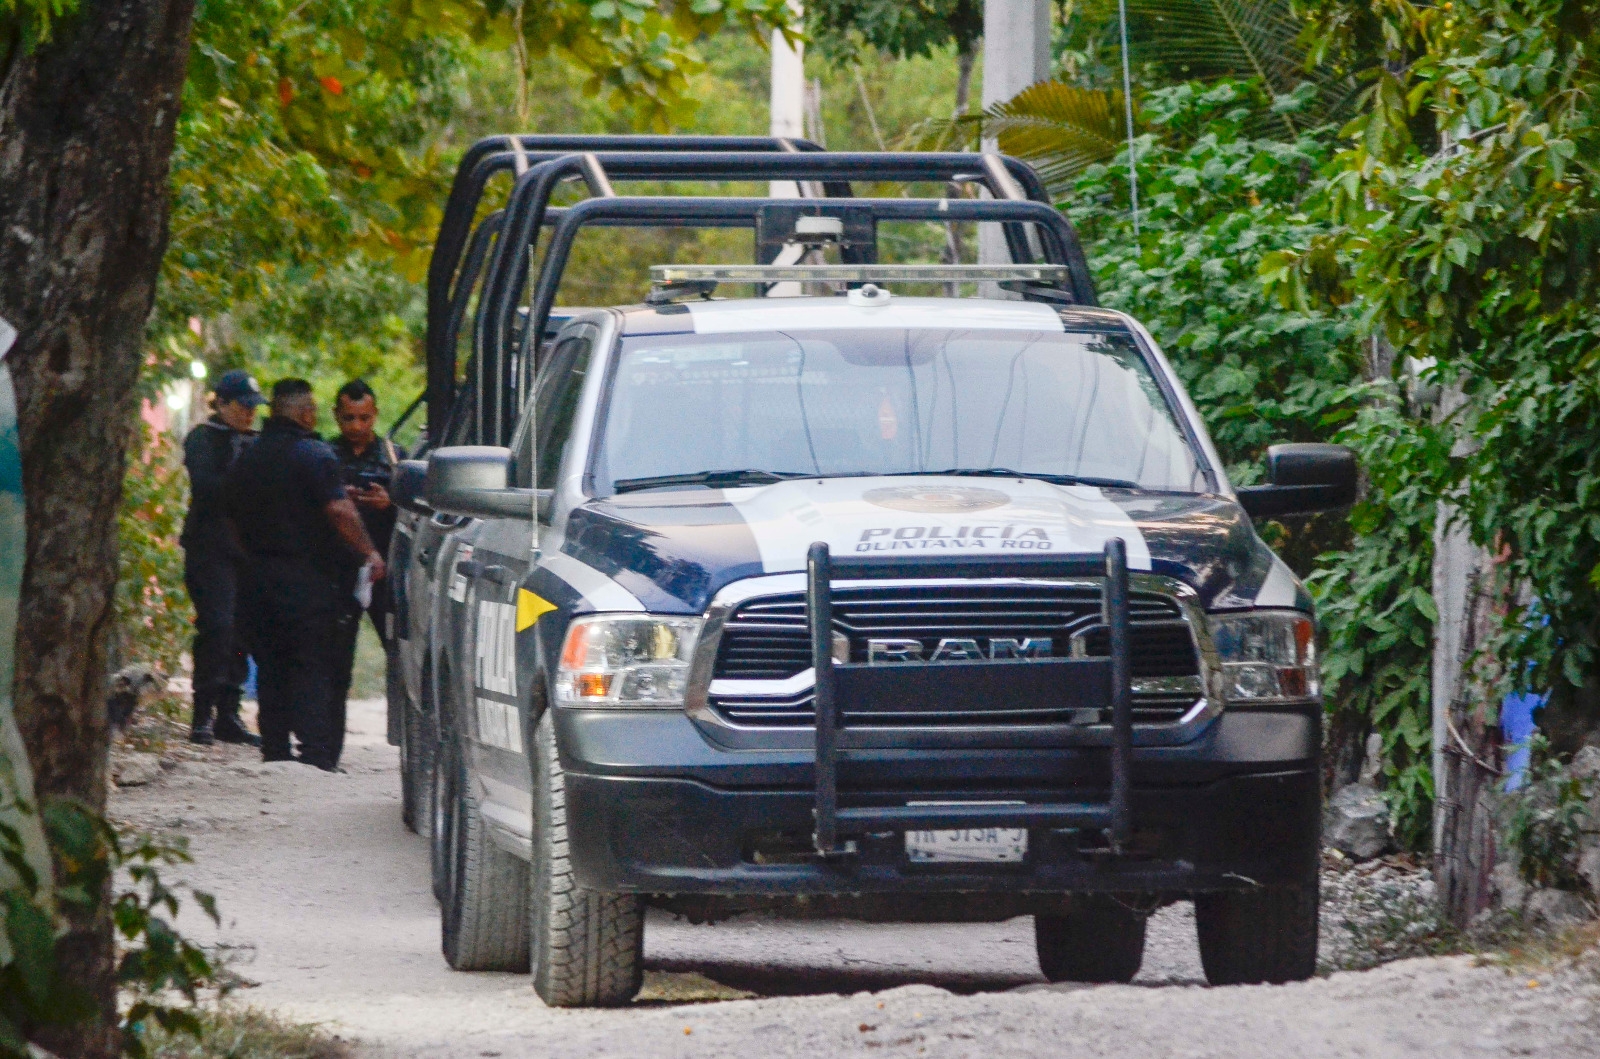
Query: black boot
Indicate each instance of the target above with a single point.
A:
(201, 729)
(229, 728)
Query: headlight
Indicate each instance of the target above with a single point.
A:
(1267, 655)
(626, 662)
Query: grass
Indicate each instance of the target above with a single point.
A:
(367, 679)
(230, 1032)
(1519, 946)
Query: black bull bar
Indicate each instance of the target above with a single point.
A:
(1086, 683)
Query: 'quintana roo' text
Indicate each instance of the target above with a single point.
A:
(921, 538)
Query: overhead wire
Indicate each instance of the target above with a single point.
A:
(1127, 107)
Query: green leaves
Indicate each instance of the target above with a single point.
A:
(904, 28)
(1461, 199)
(156, 962)
(1234, 39)
(30, 23)
(153, 611)
(316, 143)
(1062, 129)
(1544, 820)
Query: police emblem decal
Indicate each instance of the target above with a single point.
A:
(936, 499)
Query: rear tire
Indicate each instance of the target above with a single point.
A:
(1099, 939)
(1268, 934)
(414, 807)
(587, 947)
(484, 908)
(440, 811)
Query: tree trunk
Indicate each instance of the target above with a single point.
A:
(86, 134)
(966, 58)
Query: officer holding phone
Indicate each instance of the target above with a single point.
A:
(367, 462)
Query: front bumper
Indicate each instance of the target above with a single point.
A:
(663, 811)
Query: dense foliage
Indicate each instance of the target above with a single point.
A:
(1464, 221)
(1225, 195)
(1443, 242)
(1215, 201)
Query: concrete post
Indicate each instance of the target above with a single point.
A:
(789, 120)
(1016, 54)
(788, 100)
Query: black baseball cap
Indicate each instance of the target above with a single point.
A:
(237, 385)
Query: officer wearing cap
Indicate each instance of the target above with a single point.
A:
(367, 462)
(304, 543)
(211, 560)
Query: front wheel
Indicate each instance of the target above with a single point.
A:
(587, 947)
(1099, 939)
(1268, 934)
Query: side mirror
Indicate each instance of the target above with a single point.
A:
(471, 480)
(408, 483)
(1306, 478)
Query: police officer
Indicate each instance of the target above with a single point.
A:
(367, 461)
(211, 561)
(304, 542)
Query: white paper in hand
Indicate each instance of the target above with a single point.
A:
(364, 585)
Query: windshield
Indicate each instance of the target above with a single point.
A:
(890, 401)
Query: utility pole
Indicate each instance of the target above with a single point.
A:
(1016, 54)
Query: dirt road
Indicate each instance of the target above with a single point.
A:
(326, 907)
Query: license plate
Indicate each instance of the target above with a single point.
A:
(972, 845)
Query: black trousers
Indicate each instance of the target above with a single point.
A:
(299, 619)
(349, 631)
(211, 574)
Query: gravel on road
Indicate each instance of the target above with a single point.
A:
(328, 914)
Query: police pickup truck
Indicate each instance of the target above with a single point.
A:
(875, 606)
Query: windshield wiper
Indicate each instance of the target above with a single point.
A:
(713, 479)
(1006, 472)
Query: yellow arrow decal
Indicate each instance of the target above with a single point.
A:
(530, 608)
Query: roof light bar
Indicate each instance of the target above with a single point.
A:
(858, 273)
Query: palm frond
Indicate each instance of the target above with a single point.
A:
(1060, 128)
(1211, 39)
(1220, 38)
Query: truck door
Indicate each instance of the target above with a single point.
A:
(503, 614)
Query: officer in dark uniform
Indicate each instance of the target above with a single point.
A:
(367, 462)
(211, 561)
(304, 543)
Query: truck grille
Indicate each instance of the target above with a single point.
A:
(765, 639)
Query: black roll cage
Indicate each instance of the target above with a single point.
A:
(502, 378)
(497, 154)
(541, 167)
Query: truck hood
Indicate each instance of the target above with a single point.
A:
(674, 549)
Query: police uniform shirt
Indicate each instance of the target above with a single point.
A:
(277, 494)
(379, 458)
(208, 452)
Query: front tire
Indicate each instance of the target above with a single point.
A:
(587, 947)
(484, 907)
(1099, 939)
(1268, 934)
